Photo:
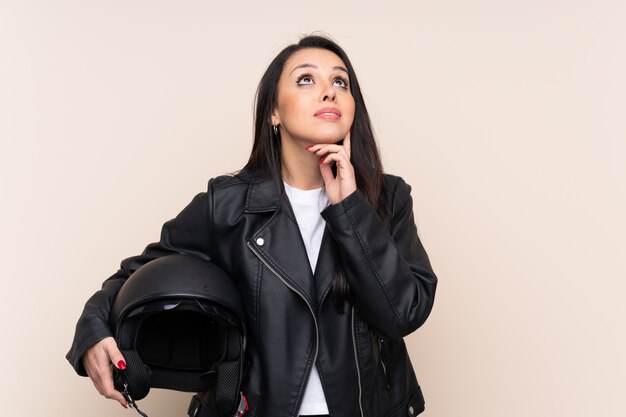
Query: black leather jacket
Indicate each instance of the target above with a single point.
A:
(243, 225)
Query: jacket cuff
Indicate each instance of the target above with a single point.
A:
(337, 210)
(75, 355)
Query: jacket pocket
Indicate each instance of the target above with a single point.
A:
(410, 407)
(381, 353)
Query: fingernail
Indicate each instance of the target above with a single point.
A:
(124, 405)
(309, 147)
(322, 161)
(121, 365)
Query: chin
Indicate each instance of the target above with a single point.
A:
(329, 139)
(330, 136)
(320, 134)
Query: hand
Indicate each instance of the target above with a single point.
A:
(337, 188)
(97, 361)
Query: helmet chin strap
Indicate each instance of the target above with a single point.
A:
(130, 400)
(121, 382)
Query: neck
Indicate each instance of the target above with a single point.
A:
(300, 167)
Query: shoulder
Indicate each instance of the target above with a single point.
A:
(229, 184)
(229, 193)
(227, 181)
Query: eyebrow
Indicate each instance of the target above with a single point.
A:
(336, 67)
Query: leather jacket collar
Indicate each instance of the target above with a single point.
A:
(263, 194)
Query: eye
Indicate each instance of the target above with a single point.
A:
(341, 82)
(305, 79)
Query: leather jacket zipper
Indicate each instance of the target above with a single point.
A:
(292, 288)
(382, 361)
(356, 360)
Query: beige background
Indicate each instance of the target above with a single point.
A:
(507, 117)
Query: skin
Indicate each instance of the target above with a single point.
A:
(309, 146)
(312, 79)
(97, 361)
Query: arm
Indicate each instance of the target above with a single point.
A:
(187, 233)
(389, 272)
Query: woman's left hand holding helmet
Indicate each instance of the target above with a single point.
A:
(344, 184)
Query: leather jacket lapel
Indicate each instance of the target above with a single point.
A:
(279, 241)
(325, 269)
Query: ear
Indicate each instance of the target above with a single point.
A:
(275, 117)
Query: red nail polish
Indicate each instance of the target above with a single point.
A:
(322, 161)
(309, 147)
(121, 365)
(124, 405)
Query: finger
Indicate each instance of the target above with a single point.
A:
(327, 175)
(339, 158)
(316, 148)
(99, 371)
(346, 143)
(115, 355)
(98, 366)
(117, 359)
(326, 149)
(109, 391)
(343, 165)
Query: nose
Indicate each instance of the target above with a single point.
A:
(329, 93)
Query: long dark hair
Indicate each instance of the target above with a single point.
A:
(365, 156)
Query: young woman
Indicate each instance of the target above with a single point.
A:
(322, 245)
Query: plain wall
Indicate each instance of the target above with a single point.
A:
(506, 117)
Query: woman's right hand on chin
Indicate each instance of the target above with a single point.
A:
(97, 361)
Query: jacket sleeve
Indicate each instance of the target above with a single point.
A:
(390, 276)
(187, 233)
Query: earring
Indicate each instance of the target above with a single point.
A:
(275, 127)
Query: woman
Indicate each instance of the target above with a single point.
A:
(321, 243)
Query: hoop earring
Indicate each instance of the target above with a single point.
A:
(275, 127)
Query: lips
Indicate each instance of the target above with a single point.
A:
(331, 113)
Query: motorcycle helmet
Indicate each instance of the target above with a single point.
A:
(179, 322)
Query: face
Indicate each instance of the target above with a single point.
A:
(314, 103)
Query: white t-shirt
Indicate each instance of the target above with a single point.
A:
(307, 206)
